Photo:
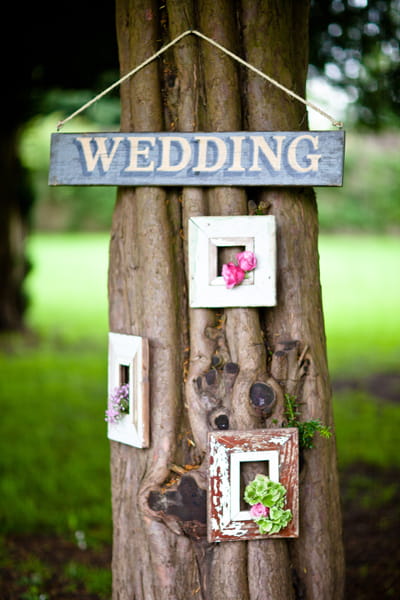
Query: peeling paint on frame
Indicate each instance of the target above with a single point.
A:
(225, 522)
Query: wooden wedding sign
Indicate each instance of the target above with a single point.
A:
(301, 158)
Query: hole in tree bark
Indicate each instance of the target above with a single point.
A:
(188, 502)
(227, 254)
(262, 397)
(123, 374)
(124, 380)
(222, 422)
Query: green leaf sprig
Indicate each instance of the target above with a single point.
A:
(307, 429)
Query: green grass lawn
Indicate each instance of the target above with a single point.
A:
(360, 286)
(55, 455)
(361, 295)
(361, 292)
(68, 286)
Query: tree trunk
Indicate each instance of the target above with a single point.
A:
(15, 205)
(160, 551)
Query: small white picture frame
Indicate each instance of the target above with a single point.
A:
(207, 288)
(128, 362)
(236, 460)
(228, 519)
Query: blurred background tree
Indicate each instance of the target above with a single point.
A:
(63, 51)
(67, 52)
(354, 44)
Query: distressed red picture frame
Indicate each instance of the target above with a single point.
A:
(227, 520)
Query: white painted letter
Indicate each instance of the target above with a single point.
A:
(166, 153)
(101, 153)
(237, 153)
(259, 143)
(136, 151)
(202, 158)
(313, 158)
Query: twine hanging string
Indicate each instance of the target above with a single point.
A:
(338, 124)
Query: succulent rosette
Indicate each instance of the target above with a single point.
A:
(267, 499)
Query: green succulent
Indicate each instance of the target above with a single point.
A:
(277, 520)
(262, 489)
(272, 495)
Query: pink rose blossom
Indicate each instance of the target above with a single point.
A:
(232, 274)
(246, 260)
(259, 510)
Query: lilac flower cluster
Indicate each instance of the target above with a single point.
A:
(118, 404)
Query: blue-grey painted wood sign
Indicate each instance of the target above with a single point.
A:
(301, 158)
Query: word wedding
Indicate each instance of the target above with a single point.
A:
(236, 158)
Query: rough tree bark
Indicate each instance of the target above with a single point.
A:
(203, 362)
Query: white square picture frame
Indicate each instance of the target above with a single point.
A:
(207, 288)
(128, 362)
(227, 519)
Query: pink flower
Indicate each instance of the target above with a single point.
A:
(232, 274)
(259, 510)
(246, 260)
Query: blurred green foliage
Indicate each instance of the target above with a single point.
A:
(366, 429)
(361, 296)
(370, 197)
(354, 45)
(64, 208)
